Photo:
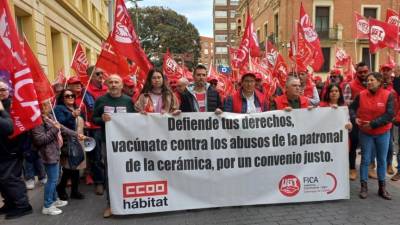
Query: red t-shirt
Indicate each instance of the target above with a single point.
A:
(201, 100)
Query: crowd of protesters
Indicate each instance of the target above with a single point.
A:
(53, 151)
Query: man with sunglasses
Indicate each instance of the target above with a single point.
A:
(96, 88)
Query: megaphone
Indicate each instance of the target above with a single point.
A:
(89, 144)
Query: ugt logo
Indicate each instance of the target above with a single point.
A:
(289, 185)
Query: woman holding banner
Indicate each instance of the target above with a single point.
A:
(156, 96)
(373, 110)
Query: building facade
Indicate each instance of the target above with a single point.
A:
(225, 34)
(333, 20)
(207, 50)
(54, 27)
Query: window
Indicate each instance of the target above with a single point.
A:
(205, 44)
(266, 30)
(258, 34)
(220, 26)
(221, 38)
(326, 52)
(222, 61)
(367, 60)
(221, 50)
(233, 26)
(322, 21)
(371, 12)
(232, 13)
(220, 2)
(276, 26)
(234, 2)
(220, 14)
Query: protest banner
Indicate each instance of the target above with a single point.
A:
(199, 160)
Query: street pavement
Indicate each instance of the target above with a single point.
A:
(355, 211)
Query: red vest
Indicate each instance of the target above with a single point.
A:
(309, 90)
(97, 92)
(356, 87)
(282, 102)
(371, 107)
(237, 101)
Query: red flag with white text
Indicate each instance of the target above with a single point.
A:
(171, 68)
(392, 17)
(111, 62)
(125, 40)
(362, 26)
(277, 63)
(80, 64)
(341, 57)
(302, 53)
(381, 35)
(311, 37)
(25, 110)
(42, 85)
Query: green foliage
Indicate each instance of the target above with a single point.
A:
(161, 28)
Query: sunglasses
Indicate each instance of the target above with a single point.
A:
(99, 73)
(69, 96)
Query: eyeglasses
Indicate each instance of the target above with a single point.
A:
(69, 96)
(99, 73)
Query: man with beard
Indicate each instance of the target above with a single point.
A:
(12, 187)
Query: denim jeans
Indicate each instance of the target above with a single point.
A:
(50, 193)
(389, 159)
(33, 166)
(369, 143)
(95, 158)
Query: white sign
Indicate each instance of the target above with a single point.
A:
(199, 160)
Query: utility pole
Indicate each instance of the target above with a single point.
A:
(137, 14)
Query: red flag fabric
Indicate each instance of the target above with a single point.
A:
(42, 85)
(224, 85)
(125, 40)
(341, 57)
(110, 62)
(392, 17)
(25, 110)
(311, 37)
(381, 35)
(171, 68)
(303, 53)
(362, 26)
(277, 63)
(239, 58)
(80, 64)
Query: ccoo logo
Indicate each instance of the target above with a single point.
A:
(289, 185)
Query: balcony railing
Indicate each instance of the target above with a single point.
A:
(328, 33)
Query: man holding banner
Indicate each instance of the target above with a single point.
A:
(112, 102)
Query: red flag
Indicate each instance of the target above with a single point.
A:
(42, 85)
(341, 57)
(392, 17)
(171, 68)
(239, 57)
(303, 53)
(80, 64)
(25, 107)
(277, 63)
(362, 26)
(224, 85)
(111, 62)
(381, 35)
(125, 40)
(311, 37)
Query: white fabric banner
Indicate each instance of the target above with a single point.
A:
(199, 160)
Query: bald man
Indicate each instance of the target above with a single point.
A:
(112, 102)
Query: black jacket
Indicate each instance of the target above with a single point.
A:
(189, 102)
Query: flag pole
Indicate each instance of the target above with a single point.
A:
(355, 48)
(86, 88)
(370, 60)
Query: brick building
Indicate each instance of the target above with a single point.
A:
(207, 50)
(333, 20)
(224, 13)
